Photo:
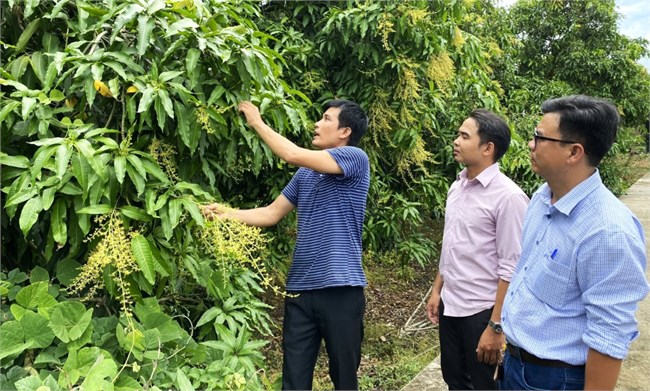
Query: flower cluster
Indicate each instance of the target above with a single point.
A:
(164, 155)
(441, 70)
(233, 243)
(113, 249)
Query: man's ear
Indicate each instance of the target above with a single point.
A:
(488, 148)
(577, 151)
(346, 132)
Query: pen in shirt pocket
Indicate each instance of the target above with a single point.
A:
(553, 254)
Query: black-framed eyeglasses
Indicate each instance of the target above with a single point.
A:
(537, 137)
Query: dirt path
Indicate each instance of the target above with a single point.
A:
(635, 372)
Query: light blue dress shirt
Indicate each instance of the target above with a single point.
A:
(580, 277)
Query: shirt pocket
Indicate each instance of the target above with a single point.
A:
(550, 282)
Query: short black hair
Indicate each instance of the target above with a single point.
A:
(591, 121)
(352, 116)
(492, 128)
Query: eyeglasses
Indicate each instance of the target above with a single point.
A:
(537, 137)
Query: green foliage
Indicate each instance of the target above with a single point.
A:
(118, 120)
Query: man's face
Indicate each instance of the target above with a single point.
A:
(327, 133)
(467, 146)
(547, 157)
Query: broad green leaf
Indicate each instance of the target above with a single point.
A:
(182, 381)
(142, 254)
(82, 171)
(29, 214)
(67, 270)
(35, 296)
(8, 108)
(100, 375)
(188, 133)
(137, 165)
(36, 330)
(63, 154)
(125, 16)
(146, 99)
(120, 168)
(135, 213)
(208, 316)
(175, 211)
(168, 231)
(145, 25)
(13, 339)
(98, 209)
(28, 106)
(169, 75)
(160, 111)
(21, 196)
(58, 222)
(183, 24)
(47, 197)
(69, 320)
(137, 180)
(194, 211)
(26, 34)
(163, 95)
(153, 169)
(13, 161)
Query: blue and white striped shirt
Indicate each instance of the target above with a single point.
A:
(580, 277)
(331, 210)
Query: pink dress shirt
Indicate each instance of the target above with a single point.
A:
(482, 239)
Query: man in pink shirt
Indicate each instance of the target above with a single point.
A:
(480, 248)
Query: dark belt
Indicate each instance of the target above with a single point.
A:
(523, 355)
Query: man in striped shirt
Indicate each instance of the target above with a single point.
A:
(569, 312)
(329, 191)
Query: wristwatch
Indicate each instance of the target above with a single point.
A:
(496, 327)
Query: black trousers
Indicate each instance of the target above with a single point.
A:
(459, 338)
(332, 314)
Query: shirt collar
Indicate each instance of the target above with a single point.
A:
(485, 177)
(569, 201)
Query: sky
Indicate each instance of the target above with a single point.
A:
(635, 20)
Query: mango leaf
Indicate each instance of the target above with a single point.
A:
(153, 169)
(8, 108)
(70, 320)
(57, 221)
(142, 254)
(82, 171)
(29, 214)
(175, 211)
(146, 100)
(47, 197)
(99, 209)
(145, 25)
(135, 213)
(137, 180)
(27, 33)
(194, 211)
(120, 168)
(63, 154)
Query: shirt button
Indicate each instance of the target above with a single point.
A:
(525, 267)
(537, 242)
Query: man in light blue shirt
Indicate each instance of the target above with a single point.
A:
(569, 311)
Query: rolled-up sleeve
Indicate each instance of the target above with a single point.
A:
(509, 224)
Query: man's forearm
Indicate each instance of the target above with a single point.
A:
(502, 288)
(602, 371)
(280, 145)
